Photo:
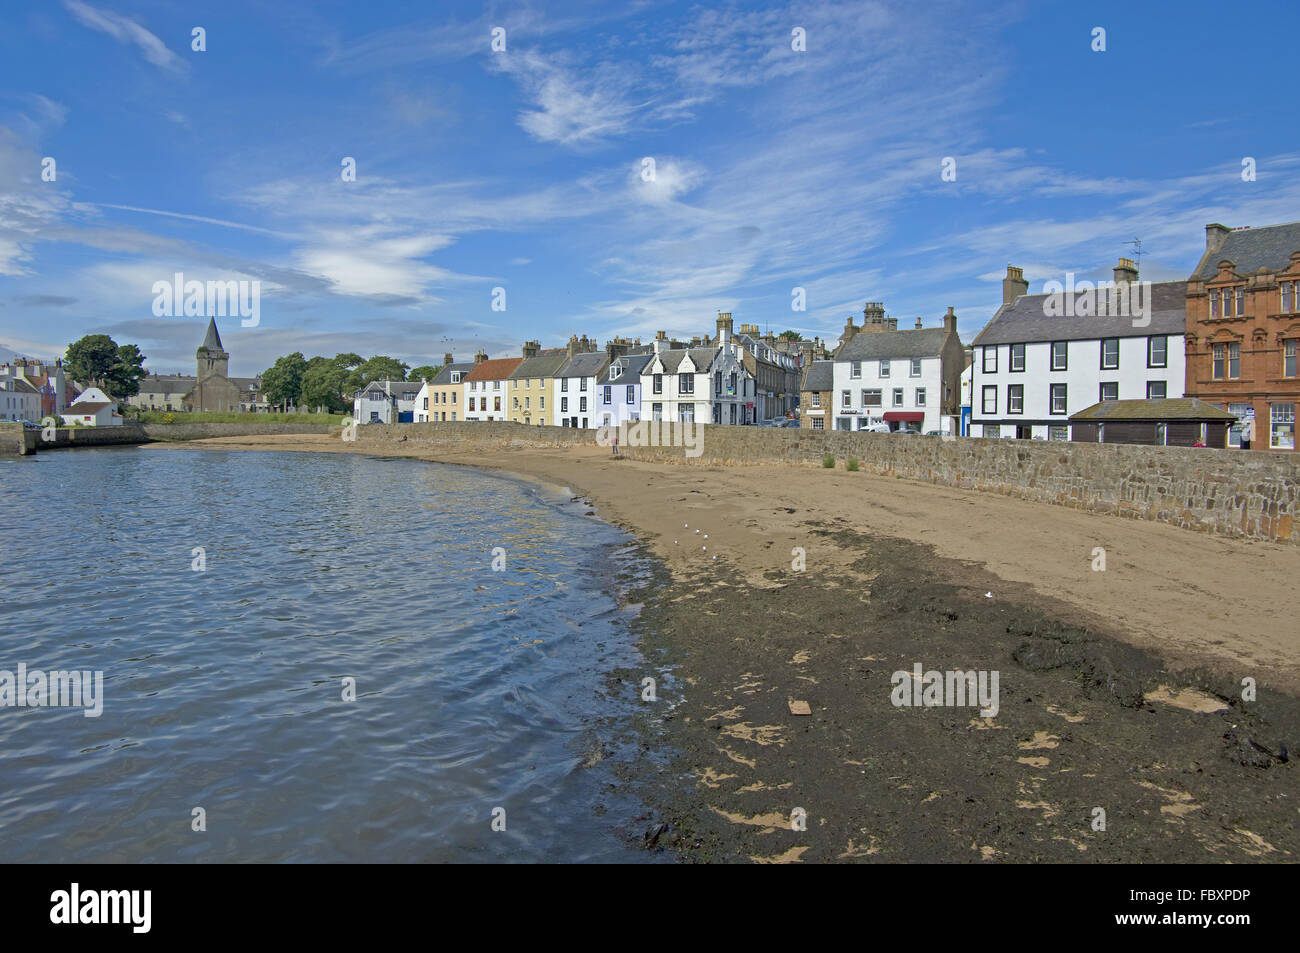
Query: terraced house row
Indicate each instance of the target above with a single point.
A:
(722, 378)
(1219, 348)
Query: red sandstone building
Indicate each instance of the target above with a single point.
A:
(1243, 329)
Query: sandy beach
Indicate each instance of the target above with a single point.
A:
(1122, 734)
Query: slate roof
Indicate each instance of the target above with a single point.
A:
(497, 369)
(1172, 408)
(1023, 321)
(443, 377)
(545, 364)
(22, 386)
(634, 364)
(820, 375)
(701, 357)
(405, 390)
(89, 407)
(212, 340)
(1250, 249)
(402, 390)
(587, 364)
(167, 384)
(893, 345)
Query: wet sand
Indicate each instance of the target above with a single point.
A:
(1120, 690)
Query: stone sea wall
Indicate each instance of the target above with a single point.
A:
(1252, 494)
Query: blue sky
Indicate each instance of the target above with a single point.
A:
(522, 169)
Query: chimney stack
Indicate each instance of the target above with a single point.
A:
(1214, 237)
(1014, 284)
(446, 359)
(950, 321)
(531, 348)
(479, 357)
(724, 322)
(1126, 272)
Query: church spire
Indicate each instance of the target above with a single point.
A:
(212, 341)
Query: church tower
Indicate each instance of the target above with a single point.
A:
(213, 359)
(214, 390)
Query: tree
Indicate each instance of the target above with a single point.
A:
(381, 368)
(97, 361)
(424, 372)
(91, 360)
(349, 360)
(790, 336)
(323, 385)
(124, 378)
(282, 381)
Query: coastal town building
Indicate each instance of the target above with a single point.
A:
(21, 401)
(1243, 330)
(776, 373)
(816, 395)
(54, 388)
(486, 388)
(707, 384)
(214, 391)
(386, 402)
(210, 389)
(92, 408)
(442, 398)
(618, 390)
(575, 384)
(532, 384)
(899, 380)
(1175, 422)
(1045, 357)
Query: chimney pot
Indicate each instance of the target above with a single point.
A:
(1014, 284)
(1125, 272)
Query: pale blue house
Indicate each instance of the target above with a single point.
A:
(618, 391)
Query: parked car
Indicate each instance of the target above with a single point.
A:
(875, 428)
(907, 433)
(936, 433)
(789, 423)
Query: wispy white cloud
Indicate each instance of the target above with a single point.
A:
(125, 30)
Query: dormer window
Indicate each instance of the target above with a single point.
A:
(614, 372)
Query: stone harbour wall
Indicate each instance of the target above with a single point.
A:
(1251, 494)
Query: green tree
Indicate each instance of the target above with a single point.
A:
(91, 360)
(97, 361)
(124, 378)
(323, 386)
(282, 381)
(349, 360)
(790, 336)
(381, 368)
(424, 372)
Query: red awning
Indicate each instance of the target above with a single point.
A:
(905, 416)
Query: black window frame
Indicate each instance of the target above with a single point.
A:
(1018, 391)
(984, 399)
(1011, 360)
(1051, 399)
(984, 359)
(1065, 356)
(1109, 367)
(1151, 339)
